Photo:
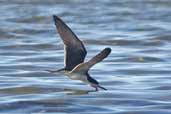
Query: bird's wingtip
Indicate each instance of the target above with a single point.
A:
(56, 18)
(108, 50)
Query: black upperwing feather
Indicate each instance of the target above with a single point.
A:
(75, 51)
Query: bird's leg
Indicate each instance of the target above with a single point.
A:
(98, 86)
(97, 89)
(94, 86)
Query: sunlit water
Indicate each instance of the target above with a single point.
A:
(137, 73)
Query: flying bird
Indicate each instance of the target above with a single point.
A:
(74, 54)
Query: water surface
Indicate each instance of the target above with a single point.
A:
(136, 74)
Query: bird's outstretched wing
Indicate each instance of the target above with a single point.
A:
(84, 67)
(75, 51)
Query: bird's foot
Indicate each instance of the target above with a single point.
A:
(94, 86)
(97, 87)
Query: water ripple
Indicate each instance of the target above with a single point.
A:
(136, 74)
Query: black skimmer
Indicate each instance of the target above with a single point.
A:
(74, 66)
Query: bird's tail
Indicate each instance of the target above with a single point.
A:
(53, 71)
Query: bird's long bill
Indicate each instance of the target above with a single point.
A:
(101, 87)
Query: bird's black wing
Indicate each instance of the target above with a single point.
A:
(75, 51)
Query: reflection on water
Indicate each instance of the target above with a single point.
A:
(78, 92)
(136, 74)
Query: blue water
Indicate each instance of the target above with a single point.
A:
(137, 73)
